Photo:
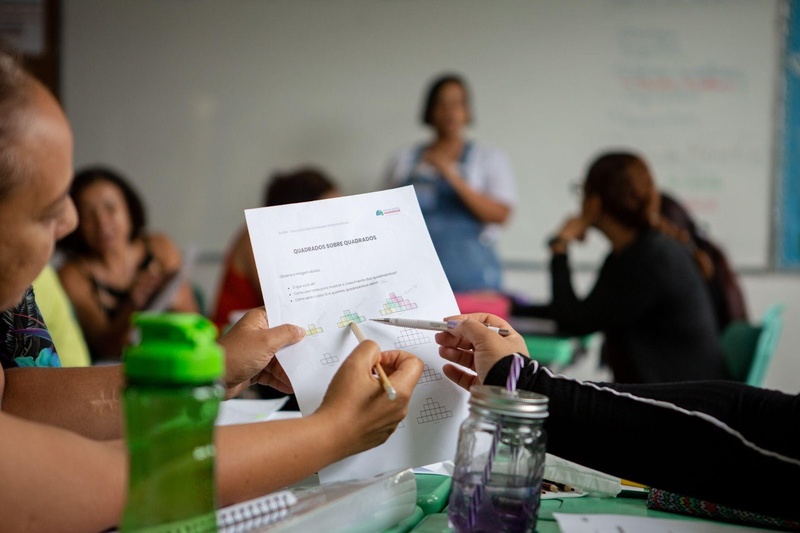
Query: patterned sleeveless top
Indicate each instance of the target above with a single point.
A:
(24, 339)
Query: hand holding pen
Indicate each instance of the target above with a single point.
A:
(471, 344)
(356, 405)
(385, 383)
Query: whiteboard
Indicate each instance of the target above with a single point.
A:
(198, 101)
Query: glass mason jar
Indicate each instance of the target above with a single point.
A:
(499, 463)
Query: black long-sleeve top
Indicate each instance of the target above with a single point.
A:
(653, 308)
(719, 441)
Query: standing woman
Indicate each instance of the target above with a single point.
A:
(649, 300)
(465, 189)
(114, 267)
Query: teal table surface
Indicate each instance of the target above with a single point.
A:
(409, 523)
(437, 523)
(432, 492)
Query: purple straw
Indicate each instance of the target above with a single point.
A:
(513, 374)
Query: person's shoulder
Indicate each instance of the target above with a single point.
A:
(241, 251)
(73, 270)
(401, 162)
(240, 241)
(163, 249)
(405, 153)
(662, 243)
(158, 241)
(487, 151)
(490, 158)
(663, 253)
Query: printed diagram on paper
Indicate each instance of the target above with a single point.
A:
(313, 330)
(396, 304)
(328, 359)
(433, 411)
(349, 318)
(412, 337)
(429, 374)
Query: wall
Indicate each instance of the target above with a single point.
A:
(198, 101)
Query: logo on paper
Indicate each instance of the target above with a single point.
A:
(387, 212)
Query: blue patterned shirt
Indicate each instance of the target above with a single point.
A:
(24, 339)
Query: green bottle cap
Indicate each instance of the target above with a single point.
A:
(178, 348)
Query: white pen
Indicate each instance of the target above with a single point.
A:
(428, 324)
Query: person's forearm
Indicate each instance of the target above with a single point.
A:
(574, 317)
(531, 310)
(655, 444)
(107, 338)
(56, 480)
(562, 295)
(255, 459)
(561, 283)
(83, 400)
(485, 208)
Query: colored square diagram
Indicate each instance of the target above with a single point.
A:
(348, 318)
(395, 304)
(313, 330)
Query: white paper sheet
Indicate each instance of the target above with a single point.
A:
(608, 523)
(249, 411)
(324, 264)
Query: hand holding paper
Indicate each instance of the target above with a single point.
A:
(252, 334)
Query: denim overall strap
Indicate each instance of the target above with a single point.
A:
(469, 264)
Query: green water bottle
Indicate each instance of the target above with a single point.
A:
(171, 401)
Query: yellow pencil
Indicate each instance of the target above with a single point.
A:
(632, 484)
(387, 385)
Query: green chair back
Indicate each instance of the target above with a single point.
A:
(749, 348)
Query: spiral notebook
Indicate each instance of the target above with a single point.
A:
(256, 513)
(371, 504)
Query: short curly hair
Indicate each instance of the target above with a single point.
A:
(74, 242)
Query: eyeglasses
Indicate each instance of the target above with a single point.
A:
(576, 188)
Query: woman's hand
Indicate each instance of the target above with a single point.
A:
(574, 229)
(472, 345)
(250, 347)
(439, 159)
(355, 405)
(145, 284)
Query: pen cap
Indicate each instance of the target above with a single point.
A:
(499, 400)
(177, 348)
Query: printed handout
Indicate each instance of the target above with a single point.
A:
(325, 264)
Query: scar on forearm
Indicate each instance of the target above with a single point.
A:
(105, 402)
